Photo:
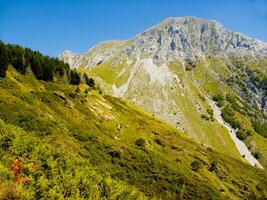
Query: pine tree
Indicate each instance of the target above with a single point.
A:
(36, 68)
(89, 81)
(3, 59)
(16, 55)
(75, 78)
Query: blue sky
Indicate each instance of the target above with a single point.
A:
(52, 26)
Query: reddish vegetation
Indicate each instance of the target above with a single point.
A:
(16, 167)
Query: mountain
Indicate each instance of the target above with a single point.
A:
(63, 136)
(175, 38)
(176, 69)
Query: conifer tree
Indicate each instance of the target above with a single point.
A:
(75, 78)
(3, 59)
(89, 81)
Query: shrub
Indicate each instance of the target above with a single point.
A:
(203, 116)
(256, 154)
(5, 139)
(114, 154)
(89, 81)
(219, 99)
(159, 142)
(260, 128)
(241, 134)
(196, 165)
(210, 111)
(229, 116)
(213, 166)
(190, 65)
(140, 142)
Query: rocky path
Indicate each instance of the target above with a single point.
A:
(240, 145)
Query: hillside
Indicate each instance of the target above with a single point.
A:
(176, 69)
(63, 141)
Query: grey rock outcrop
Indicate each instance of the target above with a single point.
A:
(175, 38)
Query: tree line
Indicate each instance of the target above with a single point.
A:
(44, 68)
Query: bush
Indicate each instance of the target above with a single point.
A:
(256, 154)
(159, 142)
(196, 165)
(260, 128)
(219, 99)
(229, 116)
(213, 166)
(140, 142)
(210, 111)
(114, 154)
(203, 116)
(5, 139)
(89, 81)
(241, 134)
(190, 65)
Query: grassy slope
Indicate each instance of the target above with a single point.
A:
(204, 80)
(75, 147)
(207, 132)
(210, 86)
(204, 131)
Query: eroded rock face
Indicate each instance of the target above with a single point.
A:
(176, 38)
(191, 38)
(67, 56)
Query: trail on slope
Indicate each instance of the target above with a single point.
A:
(240, 145)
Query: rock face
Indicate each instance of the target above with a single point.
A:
(170, 69)
(67, 56)
(191, 38)
(173, 39)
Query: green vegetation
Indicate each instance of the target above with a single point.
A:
(140, 142)
(196, 165)
(43, 67)
(219, 99)
(242, 134)
(89, 81)
(203, 116)
(75, 77)
(3, 59)
(159, 142)
(56, 142)
(190, 65)
(229, 116)
(260, 128)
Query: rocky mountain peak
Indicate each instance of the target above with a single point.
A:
(175, 38)
(192, 37)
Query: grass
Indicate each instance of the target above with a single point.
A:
(210, 77)
(204, 131)
(89, 151)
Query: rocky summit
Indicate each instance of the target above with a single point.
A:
(174, 38)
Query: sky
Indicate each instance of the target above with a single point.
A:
(52, 26)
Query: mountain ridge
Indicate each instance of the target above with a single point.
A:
(178, 28)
